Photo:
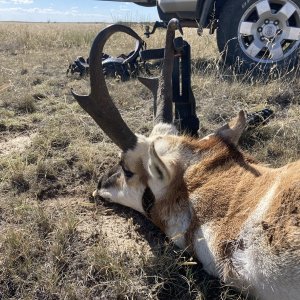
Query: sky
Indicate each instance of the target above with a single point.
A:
(74, 11)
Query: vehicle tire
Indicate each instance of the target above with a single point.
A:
(260, 33)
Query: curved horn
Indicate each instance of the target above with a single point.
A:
(152, 85)
(165, 91)
(99, 104)
(161, 87)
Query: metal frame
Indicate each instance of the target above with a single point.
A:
(183, 97)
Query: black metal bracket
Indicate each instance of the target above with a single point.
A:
(183, 97)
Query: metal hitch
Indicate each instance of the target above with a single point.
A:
(156, 25)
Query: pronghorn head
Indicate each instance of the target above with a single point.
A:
(139, 163)
(147, 165)
(143, 175)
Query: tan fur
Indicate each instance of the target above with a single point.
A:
(219, 181)
(282, 220)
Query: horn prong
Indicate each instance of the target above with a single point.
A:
(165, 89)
(81, 99)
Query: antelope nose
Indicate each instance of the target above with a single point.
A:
(96, 193)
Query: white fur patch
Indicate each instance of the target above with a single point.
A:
(203, 245)
(263, 206)
(207, 137)
(127, 197)
(177, 226)
(258, 268)
(162, 129)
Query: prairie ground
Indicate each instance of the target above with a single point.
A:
(55, 243)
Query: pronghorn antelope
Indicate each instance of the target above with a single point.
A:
(240, 218)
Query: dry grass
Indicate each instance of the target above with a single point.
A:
(55, 243)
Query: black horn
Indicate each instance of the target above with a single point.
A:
(162, 87)
(99, 104)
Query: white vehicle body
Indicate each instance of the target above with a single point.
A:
(171, 6)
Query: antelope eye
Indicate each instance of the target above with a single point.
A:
(127, 173)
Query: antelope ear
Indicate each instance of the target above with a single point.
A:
(232, 131)
(157, 167)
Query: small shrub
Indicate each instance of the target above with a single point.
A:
(26, 105)
(19, 183)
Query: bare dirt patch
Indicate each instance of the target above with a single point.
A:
(10, 143)
(122, 228)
